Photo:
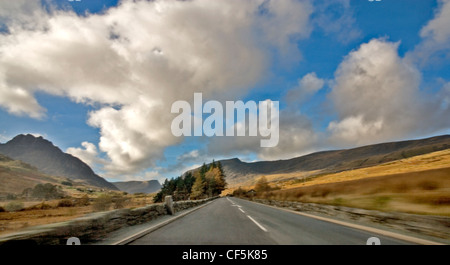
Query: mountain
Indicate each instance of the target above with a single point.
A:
(238, 172)
(150, 186)
(49, 159)
(15, 176)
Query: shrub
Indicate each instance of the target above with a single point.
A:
(11, 196)
(381, 201)
(40, 206)
(65, 203)
(338, 201)
(119, 202)
(441, 200)
(83, 201)
(14, 206)
(428, 185)
(46, 191)
(67, 183)
(102, 202)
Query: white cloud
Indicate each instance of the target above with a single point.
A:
(435, 46)
(20, 13)
(307, 86)
(194, 154)
(88, 154)
(296, 137)
(136, 59)
(377, 98)
(336, 18)
(438, 29)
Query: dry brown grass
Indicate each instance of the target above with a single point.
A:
(419, 184)
(435, 160)
(423, 192)
(40, 213)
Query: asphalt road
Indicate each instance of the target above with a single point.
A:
(228, 221)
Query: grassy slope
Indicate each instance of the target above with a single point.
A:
(15, 176)
(419, 184)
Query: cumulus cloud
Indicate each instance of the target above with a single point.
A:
(88, 154)
(435, 45)
(336, 18)
(136, 59)
(377, 97)
(296, 137)
(307, 86)
(437, 29)
(20, 13)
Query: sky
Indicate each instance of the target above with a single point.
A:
(98, 77)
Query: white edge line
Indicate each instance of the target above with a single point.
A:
(260, 226)
(361, 227)
(144, 232)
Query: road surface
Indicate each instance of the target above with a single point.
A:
(228, 221)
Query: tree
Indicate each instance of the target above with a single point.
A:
(219, 166)
(46, 191)
(189, 180)
(209, 180)
(198, 189)
(262, 185)
(203, 169)
(219, 181)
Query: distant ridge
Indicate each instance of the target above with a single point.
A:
(237, 171)
(50, 160)
(150, 186)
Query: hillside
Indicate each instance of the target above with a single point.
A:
(15, 176)
(49, 159)
(239, 172)
(419, 185)
(150, 186)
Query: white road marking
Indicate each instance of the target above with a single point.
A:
(249, 217)
(259, 225)
(232, 202)
(360, 227)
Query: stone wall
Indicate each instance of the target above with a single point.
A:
(94, 226)
(435, 226)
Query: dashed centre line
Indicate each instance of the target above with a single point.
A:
(258, 224)
(248, 216)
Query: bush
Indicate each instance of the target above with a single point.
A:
(381, 201)
(119, 202)
(14, 206)
(83, 201)
(40, 206)
(65, 203)
(428, 185)
(11, 196)
(67, 183)
(102, 202)
(46, 191)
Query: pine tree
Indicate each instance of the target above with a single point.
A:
(189, 181)
(219, 166)
(203, 170)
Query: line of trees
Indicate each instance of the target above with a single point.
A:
(208, 181)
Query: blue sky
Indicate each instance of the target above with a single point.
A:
(346, 73)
